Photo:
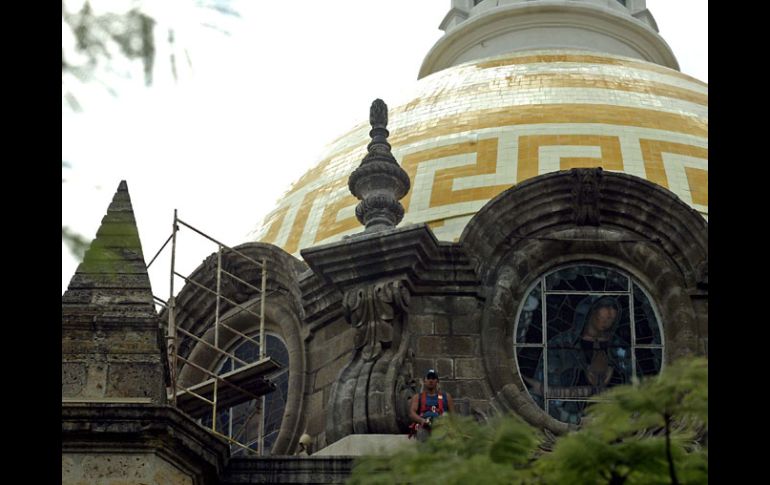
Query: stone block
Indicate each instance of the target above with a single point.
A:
(445, 368)
(73, 378)
(441, 325)
(422, 365)
(450, 305)
(316, 424)
(460, 346)
(136, 380)
(452, 387)
(334, 329)
(462, 406)
(473, 389)
(421, 324)
(328, 374)
(466, 324)
(314, 403)
(469, 368)
(447, 346)
(120, 469)
(429, 346)
(322, 353)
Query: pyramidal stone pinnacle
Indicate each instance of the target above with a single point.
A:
(112, 341)
(379, 182)
(113, 266)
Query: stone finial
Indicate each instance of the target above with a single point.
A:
(379, 182)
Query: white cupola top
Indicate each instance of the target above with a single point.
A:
(476, 29)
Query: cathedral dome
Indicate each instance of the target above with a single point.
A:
(478, 128)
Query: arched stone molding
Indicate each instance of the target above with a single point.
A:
(539, 225)
(283, 316)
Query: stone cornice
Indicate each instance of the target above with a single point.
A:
(411, 252)
(163, 429)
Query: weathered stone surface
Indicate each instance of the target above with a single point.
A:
(322, 353)
(462, 302)
(421, 324)
(445, 368)
(469, 368)
(136, 380)
(472, 389)
(154, 434)
(466, 324)
(441, 324)
(533, 228)
(422, 365)
(73, 378)
(453, 346)
(328, 373)
(379, 182)
(112, 343)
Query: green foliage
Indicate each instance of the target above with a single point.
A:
(98, 39)
(654, 432)
(459, 451)
(629, 437)
(76, 243)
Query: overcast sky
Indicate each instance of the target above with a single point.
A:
(223, 143)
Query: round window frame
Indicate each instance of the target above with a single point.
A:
(541, 279)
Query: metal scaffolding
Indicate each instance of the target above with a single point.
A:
(223, 390)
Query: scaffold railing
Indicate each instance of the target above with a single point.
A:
(251, 379)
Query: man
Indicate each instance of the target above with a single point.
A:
(429, 404)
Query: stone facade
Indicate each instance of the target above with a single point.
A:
(364, 317)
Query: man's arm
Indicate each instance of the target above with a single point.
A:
(413, 406)
(450, 404)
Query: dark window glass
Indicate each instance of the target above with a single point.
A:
(648, 361)
(600, 331)
(241, 422)
(530, 329)
(646, 323)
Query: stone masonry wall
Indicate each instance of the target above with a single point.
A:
(329, 351)
(447, 338)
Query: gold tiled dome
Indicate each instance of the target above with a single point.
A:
(476, 129)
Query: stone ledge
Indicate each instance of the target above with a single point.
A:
(95, 428)
(288, 469)
(366, 444)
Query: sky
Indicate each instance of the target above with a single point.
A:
(253, 111)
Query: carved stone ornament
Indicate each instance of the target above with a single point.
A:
(702, 274)
(586, 192)
(371, 310)
(370, 393)
(379, 182)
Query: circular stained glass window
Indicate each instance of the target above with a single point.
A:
(581, 330)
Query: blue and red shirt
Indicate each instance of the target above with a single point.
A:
(432, 406)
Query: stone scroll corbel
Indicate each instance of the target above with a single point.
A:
(369, 393)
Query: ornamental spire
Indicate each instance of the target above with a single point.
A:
(379, 182)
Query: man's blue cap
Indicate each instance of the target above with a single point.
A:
(431, 374)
